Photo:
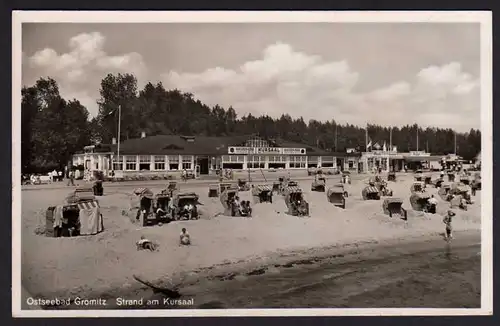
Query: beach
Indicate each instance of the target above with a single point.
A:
(104, 265)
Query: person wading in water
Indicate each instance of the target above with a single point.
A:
(447, 220)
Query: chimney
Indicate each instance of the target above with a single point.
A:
(143, 134)
(113, 141)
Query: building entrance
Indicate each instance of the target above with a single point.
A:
(203, 163)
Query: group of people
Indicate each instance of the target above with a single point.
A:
(146, 244)
(162, 211)
(241, 207)
(34, 179)
(227, 174)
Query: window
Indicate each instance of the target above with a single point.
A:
(277, 162)
(187, 162)
(351, 165)
(256, 142)
(130, 163)
(236, 158)
(327, 161)
(276, 159)
(256, 162)
(173, 162)
(118, 163)
(225, 158)
(298, 162)
(144, 162)
(312, 162)
(160, 162)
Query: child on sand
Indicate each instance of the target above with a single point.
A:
(145, 244)
(185, 240)
(447, 221)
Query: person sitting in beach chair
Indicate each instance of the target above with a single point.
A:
(245, 209)
(145, 244)
(236, 204)
(432, 204)
(185, 239)
(160, 212)
(187, 211)
(302, 207)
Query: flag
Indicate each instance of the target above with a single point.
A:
(384, 148)
(113, 111)
(369, 144)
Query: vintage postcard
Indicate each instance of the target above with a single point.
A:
(252, 163)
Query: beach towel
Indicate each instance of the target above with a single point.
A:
(58, 216)
(90, 218)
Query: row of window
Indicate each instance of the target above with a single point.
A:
(161, 162)
(275, 159)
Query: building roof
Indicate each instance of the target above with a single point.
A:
(199, 145)
(414, 158)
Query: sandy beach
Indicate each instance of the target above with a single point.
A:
(104, 265)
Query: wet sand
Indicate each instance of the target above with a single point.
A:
(419, 273)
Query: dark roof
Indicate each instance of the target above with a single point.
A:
(432, 158)
(199, 145)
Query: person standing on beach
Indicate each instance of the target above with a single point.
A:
(71, 178)
(447, 220)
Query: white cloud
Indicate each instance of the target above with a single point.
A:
(282, 80)
(288, 81)
(80, 71)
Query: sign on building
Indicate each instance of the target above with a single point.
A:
(265, 150)
(419, 153)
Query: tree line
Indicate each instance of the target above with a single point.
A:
(54, 128)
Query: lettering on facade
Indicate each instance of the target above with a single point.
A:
(266, 150)
(382, 153)
(419, 153)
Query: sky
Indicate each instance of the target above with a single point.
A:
(357, 73)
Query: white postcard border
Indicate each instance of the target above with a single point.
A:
(484, 18)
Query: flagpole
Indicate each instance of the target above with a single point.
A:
(119, 127)
(417, 138)
(335, 136)
(390, 140)
(366, 137)
(455, 143)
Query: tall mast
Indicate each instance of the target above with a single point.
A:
(390, 140)
(335, 136)
(455, 143)
(366, 137)
(417, 138)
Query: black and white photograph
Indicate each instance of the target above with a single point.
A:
(252, 164)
